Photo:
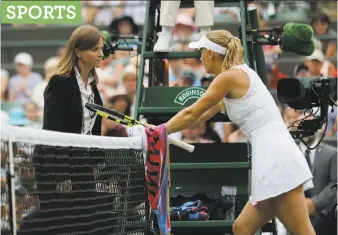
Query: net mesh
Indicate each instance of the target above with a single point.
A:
(72, 184)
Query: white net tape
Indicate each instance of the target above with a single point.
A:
(52, 138)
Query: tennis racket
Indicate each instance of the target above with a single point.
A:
(129, 121)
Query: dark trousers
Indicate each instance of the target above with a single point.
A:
(325, 223)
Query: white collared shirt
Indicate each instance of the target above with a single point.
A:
(87, 96)
(303, 148)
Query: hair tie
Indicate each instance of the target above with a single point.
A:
(230, 39)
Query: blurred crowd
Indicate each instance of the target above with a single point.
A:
(118, 74)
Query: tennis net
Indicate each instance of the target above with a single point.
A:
(72, 184)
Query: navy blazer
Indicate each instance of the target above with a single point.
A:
(63, 109)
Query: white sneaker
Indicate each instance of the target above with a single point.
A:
(164, 42)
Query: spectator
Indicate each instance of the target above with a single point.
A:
(134, 9)
(327, 7)
(223, 129)
(274, 75)
(135, 61)
(129, 79)
(237, 136)
(290, 115)
(120, 103)
(301, 71)
(60, 52)
(196, 65)
(113, 129)
(203, 133)
(207, 79)
(4, 84)
(124, 25)
(271, 55)
(292, 5)
(5, 226)
(208, 133)
(328, 68)
(103, 12)
(332, 122)
(175, 70)
(196, 135)
(234, 12)
(22, 84)
(321, 27)
(175, 65)
(118, 63)
(32, 115)
(326, 221)
(17, 117)
(267, 10)
(98, 12)
(108, 82)
(317, 64)
(322, 162)
(185, 28)
(187, 79)
(50, 68)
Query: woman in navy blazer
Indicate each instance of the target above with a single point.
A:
(74, 84)
(64, 95)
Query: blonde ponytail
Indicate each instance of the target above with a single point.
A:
(234, 55)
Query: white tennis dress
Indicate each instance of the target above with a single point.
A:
(278, 165)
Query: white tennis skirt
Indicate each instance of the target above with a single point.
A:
(278, 165)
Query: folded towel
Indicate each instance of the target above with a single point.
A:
(156, 168)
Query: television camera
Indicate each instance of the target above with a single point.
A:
(306, 94)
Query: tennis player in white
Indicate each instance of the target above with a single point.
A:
(280, 173)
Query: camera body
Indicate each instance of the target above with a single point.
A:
(307, 93)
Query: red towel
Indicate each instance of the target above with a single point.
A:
(157, 175)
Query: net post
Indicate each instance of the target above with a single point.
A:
(11, 187)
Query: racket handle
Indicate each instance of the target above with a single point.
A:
(188, 147)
